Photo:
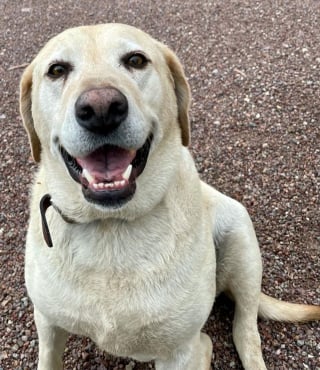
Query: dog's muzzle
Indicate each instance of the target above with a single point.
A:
(108, 174)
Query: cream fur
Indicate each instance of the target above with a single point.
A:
(139, 280)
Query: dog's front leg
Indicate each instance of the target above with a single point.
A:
(192, 355)
(52, 340)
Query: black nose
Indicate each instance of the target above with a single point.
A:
(101, 110)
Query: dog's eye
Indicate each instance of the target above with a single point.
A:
(136, 60)
(58, 70)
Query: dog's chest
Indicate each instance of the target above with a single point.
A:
(120, 296)
(125, 315)
(119, 316)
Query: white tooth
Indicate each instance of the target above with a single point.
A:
(87, 175)
(95, 185)
(127, 172)
(101, 185)
(117, 183)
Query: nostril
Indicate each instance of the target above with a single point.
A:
(118, 110)
(85, 112)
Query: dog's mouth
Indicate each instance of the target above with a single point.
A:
(108, 174)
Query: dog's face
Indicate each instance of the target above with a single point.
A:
(98, 103)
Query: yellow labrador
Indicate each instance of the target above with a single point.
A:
(140, 246)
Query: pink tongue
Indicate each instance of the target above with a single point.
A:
(107, 163)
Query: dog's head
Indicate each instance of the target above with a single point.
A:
(105, 108)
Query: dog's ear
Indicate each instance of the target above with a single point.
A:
(182, 91)
(26, 113)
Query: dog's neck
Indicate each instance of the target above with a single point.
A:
(45, 203)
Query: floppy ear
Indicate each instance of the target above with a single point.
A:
(25, 110)
(182, 91)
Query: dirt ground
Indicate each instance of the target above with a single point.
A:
(253, 67)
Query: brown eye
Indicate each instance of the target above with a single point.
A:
(58, 70)
(137, 61)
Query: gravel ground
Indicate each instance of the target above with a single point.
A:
(253, 68)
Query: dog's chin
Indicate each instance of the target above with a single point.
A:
(108, 188)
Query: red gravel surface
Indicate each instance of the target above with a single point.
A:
(254, 70)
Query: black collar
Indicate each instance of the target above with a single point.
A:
(45, 203)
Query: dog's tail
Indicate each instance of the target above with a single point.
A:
(271, 308)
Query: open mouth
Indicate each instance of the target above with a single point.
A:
(108, 174)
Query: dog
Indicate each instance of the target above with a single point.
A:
(126, 245)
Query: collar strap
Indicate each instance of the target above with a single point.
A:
(45, 203)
